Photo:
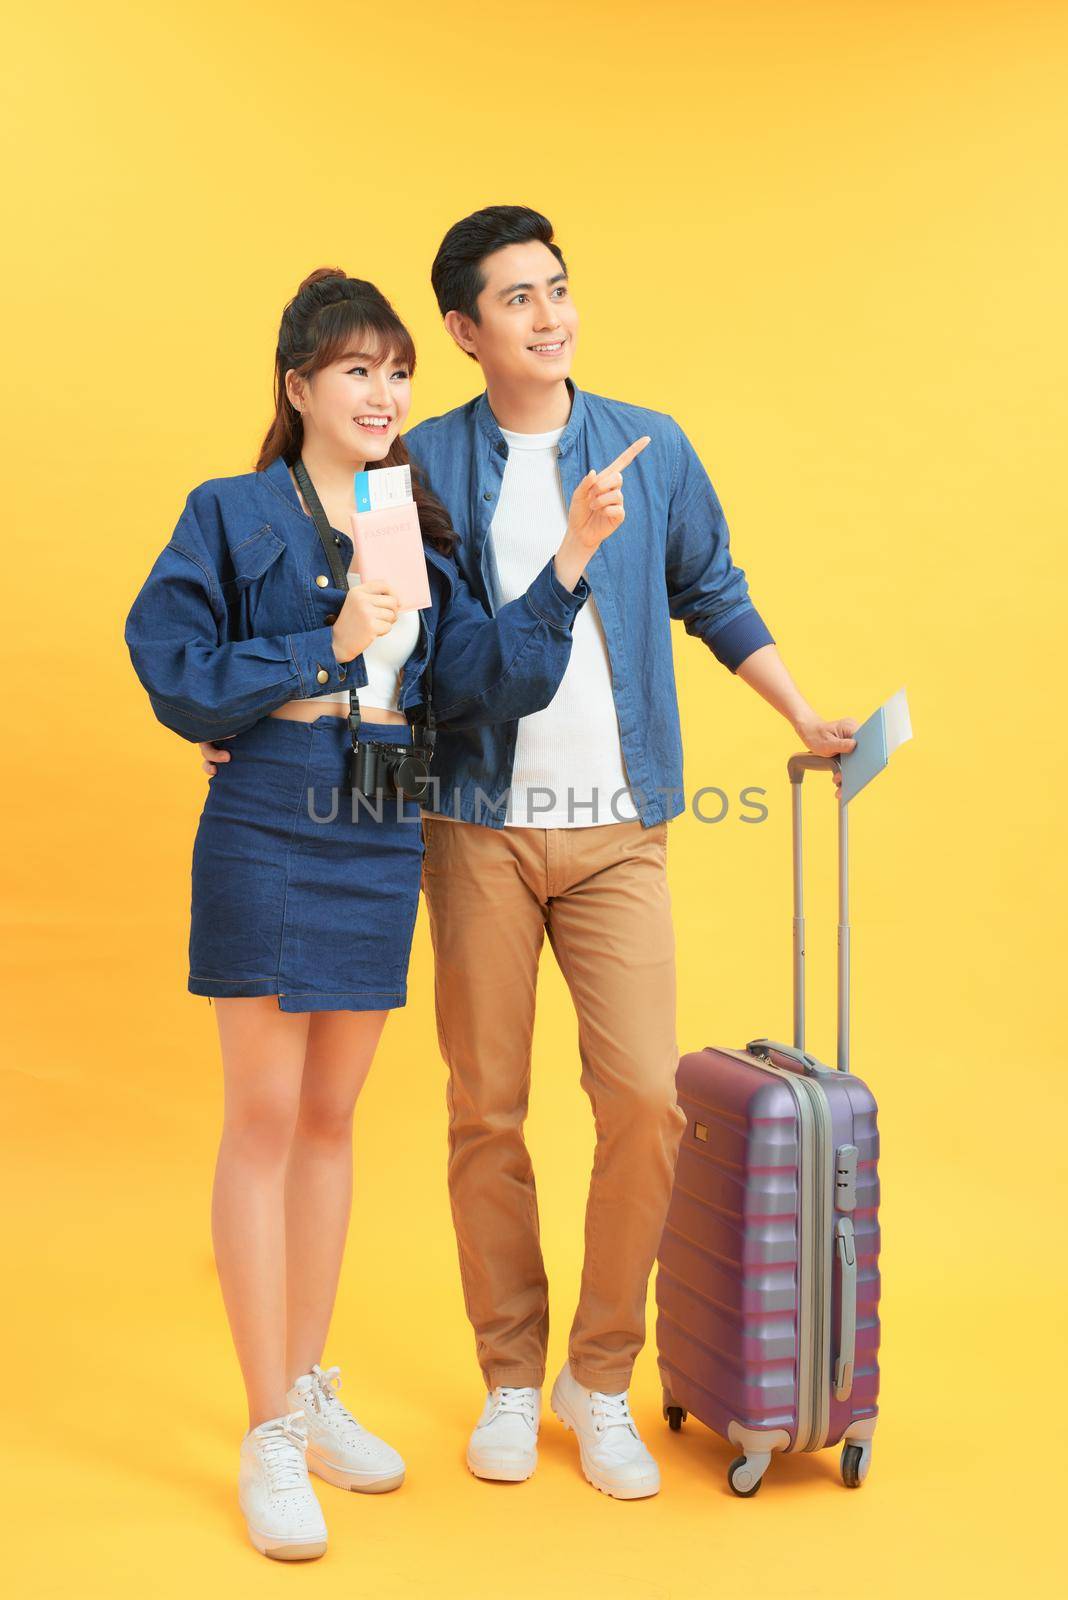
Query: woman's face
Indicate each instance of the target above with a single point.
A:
(358, 404)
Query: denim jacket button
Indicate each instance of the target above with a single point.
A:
(331, 616)
(322, 676)
(322, 580)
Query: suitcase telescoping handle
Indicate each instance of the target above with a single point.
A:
(796, 1055)
(797, 766)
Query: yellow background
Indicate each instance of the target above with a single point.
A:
(831, 240)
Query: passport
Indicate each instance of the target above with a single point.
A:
(877, 739)
(386, 535)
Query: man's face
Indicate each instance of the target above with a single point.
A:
(529, 323)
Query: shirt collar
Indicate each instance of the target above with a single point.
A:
(277, 475)
(487, 424)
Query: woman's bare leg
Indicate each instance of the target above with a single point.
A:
(341, 1047)
(263, 1052)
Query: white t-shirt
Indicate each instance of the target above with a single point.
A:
(568, 757)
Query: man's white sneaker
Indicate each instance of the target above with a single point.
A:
(610, 1447)
(504, 1445)
(340, 1449)
(284, 1518)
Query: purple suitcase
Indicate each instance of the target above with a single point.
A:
(768, 1283)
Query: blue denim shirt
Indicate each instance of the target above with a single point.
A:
(671, 558)
(232, 621)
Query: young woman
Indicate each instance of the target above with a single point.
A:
(252, 627)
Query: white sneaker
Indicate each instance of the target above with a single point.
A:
(284, 1518)
(340, 1449)
(504, 1445)
(613, 1456)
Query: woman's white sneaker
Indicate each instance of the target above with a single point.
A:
(284, 1518)
(340, 1449)
(504, 1444)
(613, 1456)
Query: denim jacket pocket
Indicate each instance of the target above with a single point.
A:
(252, 557)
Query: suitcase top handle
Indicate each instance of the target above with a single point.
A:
(804, 761)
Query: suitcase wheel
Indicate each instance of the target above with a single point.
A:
(674, 1414)
(856, 1459)
(745, 1475)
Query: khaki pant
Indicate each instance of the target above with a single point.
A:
(601, 895)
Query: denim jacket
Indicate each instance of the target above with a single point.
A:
(670, 559)
(235, 619)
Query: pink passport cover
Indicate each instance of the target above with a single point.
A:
(389, 545)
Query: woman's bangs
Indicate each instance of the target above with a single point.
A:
(345, 326)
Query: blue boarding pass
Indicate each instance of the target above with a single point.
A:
(383, 488)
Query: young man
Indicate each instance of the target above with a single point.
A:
(574, 847)
(556, 825)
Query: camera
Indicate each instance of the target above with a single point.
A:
(391, 769)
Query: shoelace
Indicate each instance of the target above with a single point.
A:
(325, 1400)
(282, 1444)
(517, 1402)
(611, 1411)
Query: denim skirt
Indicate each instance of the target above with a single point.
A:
(301, 889)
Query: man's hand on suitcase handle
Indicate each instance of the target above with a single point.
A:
(829, 739)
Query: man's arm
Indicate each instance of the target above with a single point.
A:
(765, 671)
(710, 594)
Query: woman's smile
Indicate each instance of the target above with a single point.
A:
(378, 426)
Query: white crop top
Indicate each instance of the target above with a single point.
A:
(383, 659)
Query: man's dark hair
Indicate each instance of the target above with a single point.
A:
(457, 274)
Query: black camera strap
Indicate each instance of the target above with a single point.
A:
(331, 543)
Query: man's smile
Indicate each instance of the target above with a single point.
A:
(548, 347)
